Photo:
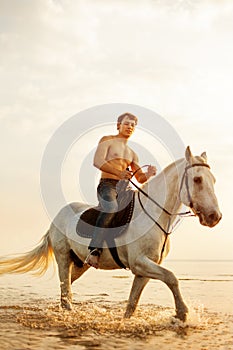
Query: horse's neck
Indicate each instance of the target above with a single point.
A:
(164, 188)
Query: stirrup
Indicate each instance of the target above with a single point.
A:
(96, 253)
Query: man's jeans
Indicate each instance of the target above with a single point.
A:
(107, 196)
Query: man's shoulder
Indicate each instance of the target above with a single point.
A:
(107, 138)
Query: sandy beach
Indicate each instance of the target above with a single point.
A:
(102, 327)
(32, 319)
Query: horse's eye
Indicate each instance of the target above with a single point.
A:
(197, 179)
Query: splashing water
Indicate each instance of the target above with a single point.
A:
(107, 318)
(30, 317)
(102, 326)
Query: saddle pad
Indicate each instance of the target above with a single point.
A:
(87, 222)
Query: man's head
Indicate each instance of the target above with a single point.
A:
(126, 116)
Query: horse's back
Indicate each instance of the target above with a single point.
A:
(66, 220)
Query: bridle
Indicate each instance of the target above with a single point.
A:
(183, 180)
(181, 214)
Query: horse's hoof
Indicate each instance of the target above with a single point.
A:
(66, 305)
(129, 312)
(181, 316)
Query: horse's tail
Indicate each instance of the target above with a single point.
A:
(35, 261)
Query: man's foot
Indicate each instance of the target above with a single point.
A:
(93, 258)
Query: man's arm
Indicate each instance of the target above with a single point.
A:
(100, 156)
(142, 177)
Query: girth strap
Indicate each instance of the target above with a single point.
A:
(113, 250)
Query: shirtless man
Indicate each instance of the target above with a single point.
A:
(114, 157)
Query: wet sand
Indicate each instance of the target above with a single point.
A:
(30, 316)
(102, 327)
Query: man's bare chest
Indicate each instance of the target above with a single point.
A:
(119, 151)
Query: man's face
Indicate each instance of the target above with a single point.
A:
(127, 126)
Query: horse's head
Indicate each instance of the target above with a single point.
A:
(197, 189)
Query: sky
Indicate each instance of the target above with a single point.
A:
(61, 57)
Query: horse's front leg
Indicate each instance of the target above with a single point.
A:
(138, 284)
(147, 268)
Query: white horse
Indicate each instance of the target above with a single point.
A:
(144, 243)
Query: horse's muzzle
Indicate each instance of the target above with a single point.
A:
(211, 219)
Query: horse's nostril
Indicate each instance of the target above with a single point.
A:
(212, 216)
(215, 216)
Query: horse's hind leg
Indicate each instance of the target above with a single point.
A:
(61, 251)
(138, 285)
(64, 269)
(68, 273)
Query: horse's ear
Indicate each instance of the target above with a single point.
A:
(188, 154)
(204, 155)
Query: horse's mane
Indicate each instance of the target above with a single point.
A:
(171, 165)
(176, 163)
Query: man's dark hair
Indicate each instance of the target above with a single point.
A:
(122, 116)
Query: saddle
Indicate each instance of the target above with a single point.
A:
(87, 221)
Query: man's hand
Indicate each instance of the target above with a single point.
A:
(125, 175)
(151, 171)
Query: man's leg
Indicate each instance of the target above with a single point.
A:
(96, 243)
(107, 195)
